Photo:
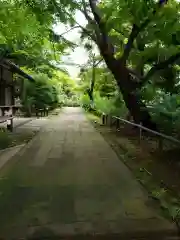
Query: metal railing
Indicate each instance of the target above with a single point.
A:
(161, 136)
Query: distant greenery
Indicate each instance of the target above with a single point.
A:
(47, 92)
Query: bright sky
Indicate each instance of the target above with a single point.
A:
(79, 55)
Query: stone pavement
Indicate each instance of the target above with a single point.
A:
(68, 181)
(17, 121)
(31, 123)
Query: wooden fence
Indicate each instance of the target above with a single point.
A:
(114, 120)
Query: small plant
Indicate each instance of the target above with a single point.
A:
(159, 194)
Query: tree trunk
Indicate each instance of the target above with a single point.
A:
(137, 108)
(90, 91)
(128, 88)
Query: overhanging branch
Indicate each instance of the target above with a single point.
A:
(97, 63)
(84, 11)
(134, 33)
(96, 15)
(160, 66)
(105, 44)
(78, 25)
(72, 28)
(137, 29)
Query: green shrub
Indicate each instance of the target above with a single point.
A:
(85, 102)
(114, 105)
(167, 114)
(103, 104)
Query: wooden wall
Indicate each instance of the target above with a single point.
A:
(6, 87)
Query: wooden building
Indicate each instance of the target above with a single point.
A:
(9, 90)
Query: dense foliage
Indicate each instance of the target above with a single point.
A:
(27, 39)
(138, 42)
(47, 92)
(163, 106)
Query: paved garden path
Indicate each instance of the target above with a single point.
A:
(68, 181)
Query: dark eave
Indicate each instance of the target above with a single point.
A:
(15, 69)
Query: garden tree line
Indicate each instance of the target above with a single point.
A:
(46, 92)
(27, 39)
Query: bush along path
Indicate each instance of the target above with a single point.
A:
(69, 182)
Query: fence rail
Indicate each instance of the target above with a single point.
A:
(160, 135)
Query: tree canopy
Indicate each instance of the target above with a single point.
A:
(138, 42)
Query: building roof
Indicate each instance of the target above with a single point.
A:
(14, 68)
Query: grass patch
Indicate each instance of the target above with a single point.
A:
(93, 118)
(11, 139)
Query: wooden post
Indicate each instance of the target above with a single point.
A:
(106, 120)
(160, 145)
(117, 123)
(103, 119)
(140, 133)
(11, 125)
(110, 120)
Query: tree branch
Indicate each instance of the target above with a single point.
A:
(68, 31)
(97, 63)
(88, 33)
(84, 11)
(137, 29)
(135, 74)
(105, 44)
(78, 25)
(97, 17)
(119, 31)
(160, 66)
(91, 22)
(134, 33)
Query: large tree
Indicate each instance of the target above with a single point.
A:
(136, 39)
(100, 17)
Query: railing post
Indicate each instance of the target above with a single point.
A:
(106, 119)
(117, 123)
(110, 120)
(103, 119)
(140, 133)
(11, 125)
(160, 145)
